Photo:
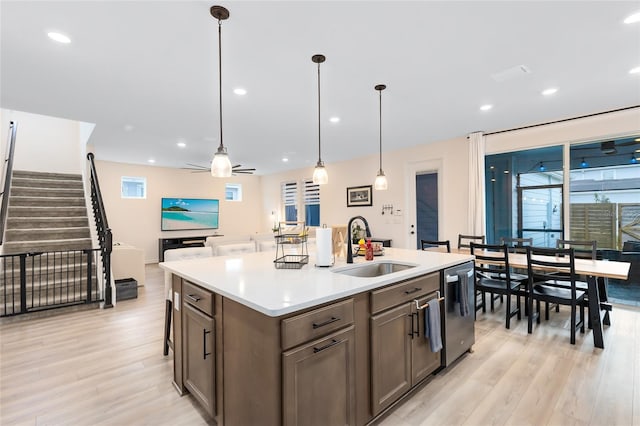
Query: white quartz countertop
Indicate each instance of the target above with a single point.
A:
(253, 280)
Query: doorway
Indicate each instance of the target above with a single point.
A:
(426, 207)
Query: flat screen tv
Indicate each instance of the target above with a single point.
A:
(180, 214)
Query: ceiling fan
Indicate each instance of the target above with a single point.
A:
(235, 170)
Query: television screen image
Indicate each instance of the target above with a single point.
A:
(180, 214)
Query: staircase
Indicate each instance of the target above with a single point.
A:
(47, 230)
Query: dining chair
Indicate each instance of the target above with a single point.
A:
(583, 249)
(552, 279)
(465, 240)
(427, 245)
(493, 275)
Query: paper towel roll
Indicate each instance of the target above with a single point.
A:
(324, 249)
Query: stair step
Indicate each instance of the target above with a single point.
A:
(53, 211)
(50, 284)
(47, 192)
(46, 222)
(46, 201)
(46, 246)
(46, 234)
(20, 182)
(46, 175)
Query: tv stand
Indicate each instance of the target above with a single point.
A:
(180, 242)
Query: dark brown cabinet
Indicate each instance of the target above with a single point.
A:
(319, 381)
(401, 356)
(199, 356)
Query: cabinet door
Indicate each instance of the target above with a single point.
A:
(390, 356)
(423, 361)
(319, 381)
(199, 356)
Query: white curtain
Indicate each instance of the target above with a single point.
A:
(476, 220)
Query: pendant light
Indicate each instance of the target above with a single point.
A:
(220, 165)
(320, 176)
(381, 180)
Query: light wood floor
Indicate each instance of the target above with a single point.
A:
(106, 367)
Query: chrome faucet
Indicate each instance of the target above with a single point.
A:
(367, 233)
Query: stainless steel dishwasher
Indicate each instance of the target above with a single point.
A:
(459, 317)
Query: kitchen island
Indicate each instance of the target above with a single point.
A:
(260, 345)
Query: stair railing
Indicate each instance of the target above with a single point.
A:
(8, 170)
(104, 232)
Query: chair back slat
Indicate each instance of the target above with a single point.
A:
(427, 245)
(583, 249)
(464, 241)
(516, 245)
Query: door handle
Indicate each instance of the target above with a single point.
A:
(204, 343)
(327, 322)
(322, 348)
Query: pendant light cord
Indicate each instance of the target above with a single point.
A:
(380, 92)
(319, 157)
(220, 77)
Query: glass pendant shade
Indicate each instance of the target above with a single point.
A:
(381, 181)
(320, 176)
(221, 165)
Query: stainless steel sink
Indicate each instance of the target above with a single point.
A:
(369, 270)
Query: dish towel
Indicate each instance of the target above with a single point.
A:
(432, 328)
(463, 292)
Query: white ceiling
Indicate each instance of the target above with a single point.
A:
(153, 65)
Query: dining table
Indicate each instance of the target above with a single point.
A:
(592, 269)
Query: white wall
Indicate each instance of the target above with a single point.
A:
(137, 222)
(398, 165)
(46, 144)
(451, 158)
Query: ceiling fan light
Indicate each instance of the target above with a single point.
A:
(320, 176)
(221, 165)
(381, 182)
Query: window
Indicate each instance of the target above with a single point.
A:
(233, 192)
(290, 201)
(604, 192)
(133, 187)
(524, 195)
(311, 203)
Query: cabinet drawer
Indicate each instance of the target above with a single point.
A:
(396, 294)
(198, 297)
(316, 323)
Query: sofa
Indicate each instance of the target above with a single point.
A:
(249, 243)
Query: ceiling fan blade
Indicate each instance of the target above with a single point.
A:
(244, 170)
(197, 166)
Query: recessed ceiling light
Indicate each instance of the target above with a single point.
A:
(486, 107)
(635, 70)
(285, 159)
(334, 119)
(632, 19)
(151, 160)
(128, 127)
(240, 91)
(181, 144)
(550, 91)
(60, 38)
